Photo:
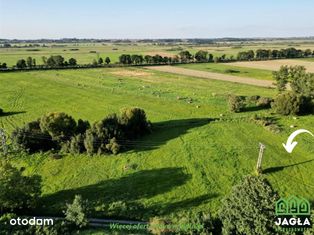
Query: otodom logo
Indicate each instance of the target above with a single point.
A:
(293, 214)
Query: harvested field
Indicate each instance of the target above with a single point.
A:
(215, 76)
(274, 64)
(131, 73)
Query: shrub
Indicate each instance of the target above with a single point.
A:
(249, 209)
(289, 103)
(264, 102)
(17, 191)
(59, 126)
(98, 138)
(1, 111)
(134, 122)
(76, 212)
(31, 138)
(82, 126)
(75, 145)
(236, 103)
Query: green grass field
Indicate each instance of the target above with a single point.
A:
(189, 162)
(231, 70)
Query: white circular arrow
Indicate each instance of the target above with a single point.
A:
(290, 145)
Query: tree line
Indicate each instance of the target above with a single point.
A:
(201, 56)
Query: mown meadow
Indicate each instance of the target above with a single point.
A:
(197, 151)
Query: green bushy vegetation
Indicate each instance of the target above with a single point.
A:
(60, 131)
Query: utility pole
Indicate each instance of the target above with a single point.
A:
(3, 139)
(260, 158)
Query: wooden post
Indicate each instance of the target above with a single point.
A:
(260, 158)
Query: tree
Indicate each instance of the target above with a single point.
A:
(55, 61)
(72, 62)
(60, 126)
(100, 60)
(29, 62)
(134, 122)
(17, 191)
(34, 62)
(76, 212)
(148, 59)
(185, 56)
(21, 64)
(201, 56)
(291, 103)
(107, 60)
(210, 58)
(99, 137)
(44, 59)
(125, 59)
(245, 55)
(250, 208)
(31, 138)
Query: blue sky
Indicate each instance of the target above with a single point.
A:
(31, 19)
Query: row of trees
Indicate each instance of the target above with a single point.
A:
(52, 61)
(60, 131)
(263, 54)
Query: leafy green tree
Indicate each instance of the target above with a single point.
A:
(55, 61)
(148, 59)
(245, 55)
(134, 122)
(250, 208)
(17, 191)
(44, 59)
(210, 58)
(291, 103)
(76, 212)
(98, 137)
(100, 60)
(30, 138)
(29, 62)
(125, 59)
(185, 56)
(107, 60)
(72, 62)
(201, 56)
(21, 64)
(59, 126)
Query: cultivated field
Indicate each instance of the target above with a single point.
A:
(274, 64)
(198, 149)
(211, 75)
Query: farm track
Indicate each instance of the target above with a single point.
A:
(274, 65)
(214, 76)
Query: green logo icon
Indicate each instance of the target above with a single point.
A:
(293, 206)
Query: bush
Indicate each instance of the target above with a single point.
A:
(134, 122)
(17, 191)
(99, 138)
(31, 138)
(264, 102)
(1, 111)
(290, 103)
(236, 103)
(76, 212)
(60, 126)
(75, 145)
(249, 209)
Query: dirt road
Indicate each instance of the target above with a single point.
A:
(210, 75)
(274, 64)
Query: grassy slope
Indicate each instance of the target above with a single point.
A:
(231, 70)
(184, 165)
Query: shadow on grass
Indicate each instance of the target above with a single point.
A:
(254, 108)
(138, 185)
(187, 204)
(163, 132)
(5, 114)
(280, 168)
